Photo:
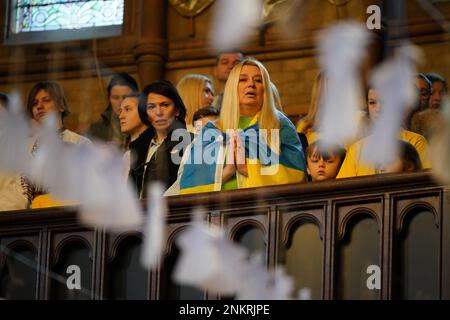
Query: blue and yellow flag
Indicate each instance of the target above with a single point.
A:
(282, 162)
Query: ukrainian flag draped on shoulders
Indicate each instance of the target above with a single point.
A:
(282, 162)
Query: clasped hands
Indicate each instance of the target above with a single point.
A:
(235, 158)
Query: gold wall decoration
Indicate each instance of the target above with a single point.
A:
(269, 7)
(190, 8)
(274, 10)
(338, 2)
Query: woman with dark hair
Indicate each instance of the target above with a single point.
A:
(44, 98)
(108, 127)
(165, 113)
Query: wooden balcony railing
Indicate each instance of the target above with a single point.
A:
(334, 238)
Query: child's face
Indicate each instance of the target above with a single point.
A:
(200, 123)
(395, 166)
(320, 169)
(373, 105)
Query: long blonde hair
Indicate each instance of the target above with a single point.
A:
(229, 113)
(190, 88)
(318, 89)
(276, 96)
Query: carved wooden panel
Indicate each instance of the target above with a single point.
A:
(60, 239)
(114, 240)
(418, 247)
(233, 220)
(407, 203)
(389, 203)
(345, 210)
(19, 261)
(357, 254)
(250, 227)
(29, 240)
(356, 217)
(124, 275)
(301, 245)
(167, 288)
(291, 215)
(72, 276)
(66, 246)
(164, 287)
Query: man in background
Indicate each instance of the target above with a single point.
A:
(423, 85)
(224, 63)
(439, 89)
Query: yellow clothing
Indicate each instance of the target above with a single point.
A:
(312, 135)
(285, 164)
(309, 133)
(353, 165)
(301, 126)
(47, 201)
(232, 184)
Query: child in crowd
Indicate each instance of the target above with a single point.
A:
(324, 161)
(202, 116)
(354, 164)
(408, 160)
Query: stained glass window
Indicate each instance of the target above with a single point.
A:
(42, 15)
(71, 17)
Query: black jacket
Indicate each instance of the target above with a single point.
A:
(138, 153)
(160, 167)
(107, 128)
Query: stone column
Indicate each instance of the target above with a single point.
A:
(151, 49)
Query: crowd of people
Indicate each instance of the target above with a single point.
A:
(194, 138)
